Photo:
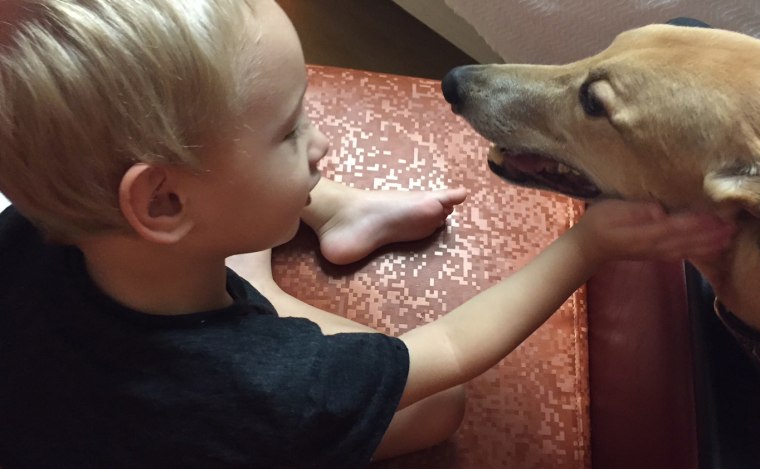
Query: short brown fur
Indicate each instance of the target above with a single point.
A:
(681, 126)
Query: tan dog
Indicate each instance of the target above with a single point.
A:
(666, 113)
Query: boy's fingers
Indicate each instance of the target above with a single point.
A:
(697, 243)
(676, 225)
(684, 252)
(645, 230)
(696, 221)
(679, 237)
(655, 211)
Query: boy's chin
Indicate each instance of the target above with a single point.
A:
(292, 234)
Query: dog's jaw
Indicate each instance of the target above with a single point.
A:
(530, 169)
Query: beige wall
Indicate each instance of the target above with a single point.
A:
(441, 19)
(562, 31)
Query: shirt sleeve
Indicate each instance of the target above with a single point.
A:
(358, 380)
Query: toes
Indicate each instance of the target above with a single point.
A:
(458, 195)
(451, 197)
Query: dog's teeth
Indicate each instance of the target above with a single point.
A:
(562, 169)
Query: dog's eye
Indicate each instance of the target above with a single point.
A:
(592, 105)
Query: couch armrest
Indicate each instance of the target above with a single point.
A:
(641, 368)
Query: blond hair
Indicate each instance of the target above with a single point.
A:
(90, 87)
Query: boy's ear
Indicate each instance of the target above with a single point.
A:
(152, 201)
(738, 184)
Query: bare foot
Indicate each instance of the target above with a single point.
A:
(363, 221)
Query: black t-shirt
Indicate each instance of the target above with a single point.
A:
(87, 382)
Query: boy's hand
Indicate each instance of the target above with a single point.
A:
(615, 229)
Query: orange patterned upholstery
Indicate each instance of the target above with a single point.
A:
(392, 132)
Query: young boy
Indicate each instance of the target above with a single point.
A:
(144, 142)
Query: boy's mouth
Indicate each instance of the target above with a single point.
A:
(318, 177)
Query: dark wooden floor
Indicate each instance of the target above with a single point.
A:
(375, 35)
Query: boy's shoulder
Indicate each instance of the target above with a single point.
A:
(72, 352)
(14, 227)
(22, 248)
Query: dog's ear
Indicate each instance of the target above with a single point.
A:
(738, 184)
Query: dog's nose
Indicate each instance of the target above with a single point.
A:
(451, 89)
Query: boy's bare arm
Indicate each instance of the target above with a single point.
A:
(475, 336)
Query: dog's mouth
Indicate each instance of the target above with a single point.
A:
(541, 172)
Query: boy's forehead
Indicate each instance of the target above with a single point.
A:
(277, 64)
(278, 48)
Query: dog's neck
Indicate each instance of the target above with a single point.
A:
(735, 276)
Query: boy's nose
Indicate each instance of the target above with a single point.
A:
(318, 148)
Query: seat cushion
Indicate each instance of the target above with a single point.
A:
(397, 133)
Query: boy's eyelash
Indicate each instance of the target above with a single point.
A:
(297, 131)
(294, 134)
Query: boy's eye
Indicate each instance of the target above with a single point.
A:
(294, 134)
(297, 130)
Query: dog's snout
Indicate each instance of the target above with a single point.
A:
(452, 90)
